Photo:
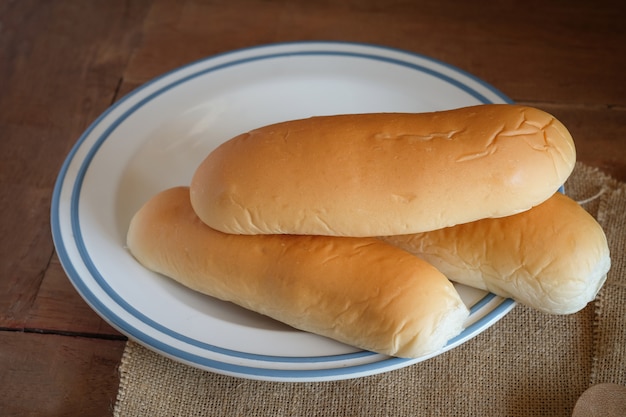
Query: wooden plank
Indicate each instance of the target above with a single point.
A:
(191, 30)
(57, 75)
(538, 52)
(48, 375)
(75, 58)
(25, 249)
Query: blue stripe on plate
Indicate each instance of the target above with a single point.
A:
(482, 302)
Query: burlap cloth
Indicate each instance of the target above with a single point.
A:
(527, 364)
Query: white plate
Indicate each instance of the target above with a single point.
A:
(154, 138)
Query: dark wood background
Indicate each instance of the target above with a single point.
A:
(63, 62)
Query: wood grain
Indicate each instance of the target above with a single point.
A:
(51, 375)
(60, 66)
(59, 308)
(541, 51)
(58, 75)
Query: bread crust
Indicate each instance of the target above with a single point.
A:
(553, 257)
(385, 173)
(360, 291)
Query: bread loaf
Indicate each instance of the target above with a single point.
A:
(383, 174)
(553, 257)
(360, 291)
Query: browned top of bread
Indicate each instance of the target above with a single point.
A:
(383, 174)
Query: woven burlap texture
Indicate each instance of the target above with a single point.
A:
(527, 364)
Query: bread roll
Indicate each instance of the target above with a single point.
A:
(553, 257)
(360, 291)
(383, 174)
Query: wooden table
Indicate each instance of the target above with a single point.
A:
(64, 62)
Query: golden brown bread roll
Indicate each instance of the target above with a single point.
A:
(383, 174)
(360, 291)
(553, 257)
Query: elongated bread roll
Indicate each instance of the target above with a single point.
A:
(553, 257)
(383, 174)
(360, 291)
